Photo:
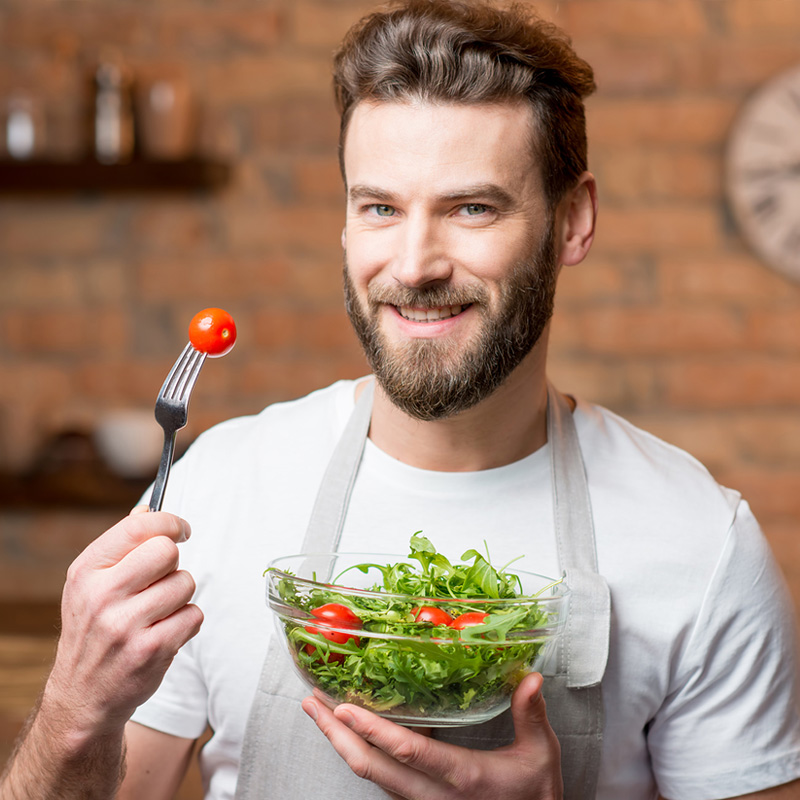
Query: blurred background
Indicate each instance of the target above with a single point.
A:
(159, 158)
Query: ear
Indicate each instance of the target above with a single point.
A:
(578, 211)
(344, 238)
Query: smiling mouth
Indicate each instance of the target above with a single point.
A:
(430, 314)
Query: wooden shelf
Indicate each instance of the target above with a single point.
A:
(38, 176)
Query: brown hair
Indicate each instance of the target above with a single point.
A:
(461, 52)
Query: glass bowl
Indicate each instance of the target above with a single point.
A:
(352, 642)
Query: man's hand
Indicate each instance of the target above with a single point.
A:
(412, 766)
(124, 616)
(125, 613)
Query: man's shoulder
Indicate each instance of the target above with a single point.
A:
(632, 462)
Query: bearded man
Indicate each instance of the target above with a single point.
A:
(463, 152)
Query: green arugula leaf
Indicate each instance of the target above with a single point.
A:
(441, 669)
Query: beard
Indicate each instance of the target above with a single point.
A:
(431, 379)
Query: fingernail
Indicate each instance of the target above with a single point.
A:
(311, 710)
(347, 718)
(187, 530)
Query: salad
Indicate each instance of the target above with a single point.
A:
(428, 638)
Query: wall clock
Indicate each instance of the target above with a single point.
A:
(762, 165)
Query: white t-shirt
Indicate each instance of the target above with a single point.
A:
(700, 691)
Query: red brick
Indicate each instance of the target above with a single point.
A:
(768, 437)
(315, 230)
(655, 331)
(628, 67)
(211, 279)
(36, 27)
(170, 225)
(319, 179)
(60, 331)
(732, 64)
(704, 435)
(601, 279)
(28, 228)
(651, 19)
(319, 281)
(775, 330)
(216, 30)
(306, 123)
(749, 381)
(316, 24)
(772, 17)
(658, 174)
(254, 79)
(121, 381)
(329, 332)
(277, 329)
(713, 278)
(619, 385)
(781, 533)
(658, 228)
(731, 441)
(770, 492)
(682, 120)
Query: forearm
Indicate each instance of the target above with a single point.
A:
(53, 760)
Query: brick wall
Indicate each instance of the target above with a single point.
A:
(671, 322)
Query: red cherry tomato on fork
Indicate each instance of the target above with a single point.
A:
(468, 619)
(436, 616)
(212, 331)
(338, 616)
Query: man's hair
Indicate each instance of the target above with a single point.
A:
(454, 51)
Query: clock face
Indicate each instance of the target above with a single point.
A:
(763, 172)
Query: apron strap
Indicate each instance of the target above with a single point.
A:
(589, 622)
(330, 508)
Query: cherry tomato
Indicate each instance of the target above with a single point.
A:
(339, 616)
(212, 331)
(468, 619)
(436, 616)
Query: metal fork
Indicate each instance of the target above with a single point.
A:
(172, 407)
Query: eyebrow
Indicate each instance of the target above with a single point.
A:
(490, 192)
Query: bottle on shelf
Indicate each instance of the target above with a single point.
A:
(112, 133)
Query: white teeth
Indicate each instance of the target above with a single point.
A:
(430, 314)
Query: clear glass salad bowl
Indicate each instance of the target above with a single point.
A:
(418, 660)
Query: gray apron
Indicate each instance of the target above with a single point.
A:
(284, 756)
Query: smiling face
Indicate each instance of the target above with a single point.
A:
(450, 254)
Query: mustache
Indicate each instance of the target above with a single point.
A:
(426, 297)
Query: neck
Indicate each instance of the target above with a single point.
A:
(505, 427)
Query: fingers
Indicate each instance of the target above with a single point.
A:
(365, 761)
(131, 532)
(533, 735)
(529, 711)
(162, 598)
(149, 562)
(404, 763)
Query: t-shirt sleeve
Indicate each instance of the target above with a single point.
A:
(179, 705)
(730, 724)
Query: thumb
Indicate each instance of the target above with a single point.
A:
(530, 714)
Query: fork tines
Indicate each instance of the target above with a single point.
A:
(183, 375)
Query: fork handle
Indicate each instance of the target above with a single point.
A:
(167, 454)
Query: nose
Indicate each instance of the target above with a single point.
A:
(420, 258)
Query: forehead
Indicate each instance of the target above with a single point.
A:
(438, 143)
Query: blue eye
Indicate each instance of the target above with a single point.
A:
(475, 209)
(384, 211)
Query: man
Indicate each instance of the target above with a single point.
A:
(464, 157)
